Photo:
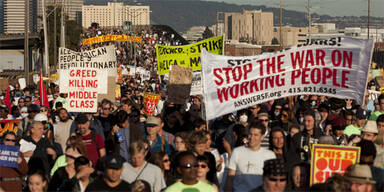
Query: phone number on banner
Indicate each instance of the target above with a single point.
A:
(312, 90)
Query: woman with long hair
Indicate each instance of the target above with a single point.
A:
(61, 160)
(67, 172)
(203, 169)
(161, 159)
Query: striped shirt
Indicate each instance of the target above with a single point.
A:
(265, 142)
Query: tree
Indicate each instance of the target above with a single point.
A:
(275, 41)
(207, 33)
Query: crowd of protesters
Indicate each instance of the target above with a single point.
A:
(140, 54)
(266, 147)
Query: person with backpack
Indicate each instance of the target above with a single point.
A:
(93, 142)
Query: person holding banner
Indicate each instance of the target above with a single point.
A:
(11, 178)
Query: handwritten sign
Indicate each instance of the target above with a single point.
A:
(330, 159)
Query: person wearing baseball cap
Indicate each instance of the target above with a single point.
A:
(361, 178)
(274, 176)
(357, 124)
(111, 180)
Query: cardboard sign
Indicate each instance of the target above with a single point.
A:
(330, 159)
(337, 67)
(150, 102)
(187, 55)
(9, 155)
(179, 84)
(3, 84)
(196, 87)
(111, 93)
(9, 125)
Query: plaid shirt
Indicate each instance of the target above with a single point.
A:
(169, 138)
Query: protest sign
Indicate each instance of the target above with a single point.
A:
(4, 84)
(373, 95)
(150, 102)
(111, 87)
(107, 38)
(9, 155)
(196, 87)
(187, 55)
(11, 125)
(328, 160)
(337, 68)
(82, 85)
(100, 58)
(179, 84)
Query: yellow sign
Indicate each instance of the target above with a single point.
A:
(187, 55)
(106, 38)
(328, 160)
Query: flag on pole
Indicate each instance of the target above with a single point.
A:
(7, 100)
(43, 93)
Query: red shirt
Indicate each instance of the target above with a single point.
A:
(90, 146)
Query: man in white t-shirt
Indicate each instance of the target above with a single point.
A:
(246, 162)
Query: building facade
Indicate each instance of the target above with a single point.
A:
(115, 15)
(249, 26)
(13, 19)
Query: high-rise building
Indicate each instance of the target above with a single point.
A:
(115, 15)
(1, 16)
(252, 26)
(13, 19)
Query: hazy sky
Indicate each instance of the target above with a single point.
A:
(330, 7)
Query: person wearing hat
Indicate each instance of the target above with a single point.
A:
(357, 124)
(369, 131)
(367, 157)
(338, 126)
(360, 177)
(153, 126)
(93, 141)
(274, 176)
(111, 180)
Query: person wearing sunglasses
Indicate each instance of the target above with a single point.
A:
(203, 169)
(67, 172)
(11, 178)
(274, 176)
(162, 160)
(187, 168)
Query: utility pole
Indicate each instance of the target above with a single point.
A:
(54, 36)
(309, 19)
(62, 31)
(369, 12)
(217, 22)
(281, 24)
(46, 63)
(26, 42)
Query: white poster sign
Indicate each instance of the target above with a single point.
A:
(337, 67)
(83, 85)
